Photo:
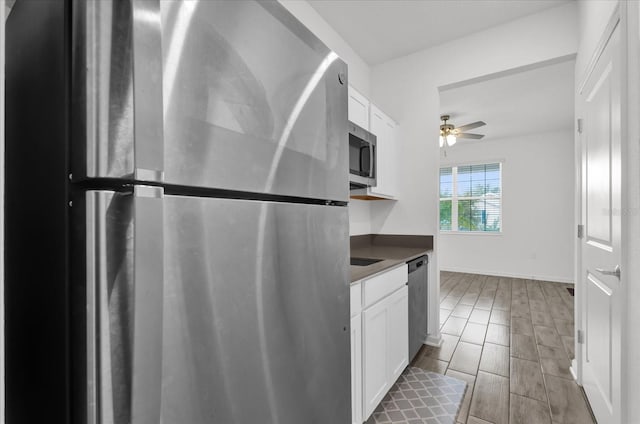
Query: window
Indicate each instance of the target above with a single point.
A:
(471, 198)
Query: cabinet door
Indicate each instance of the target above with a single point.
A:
(384, 129)
(375, 357)
(356, 369)
(358, 109)
(379, 129)
(391, 165)
(398, 333)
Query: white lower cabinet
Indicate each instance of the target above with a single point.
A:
(398, 338)
(375, 356)
(384, 339)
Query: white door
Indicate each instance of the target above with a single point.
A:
(358, 108)
(602, 292)
(398, 342)
(379, 129)
(384, 129)
(391, 164)
(375, 355)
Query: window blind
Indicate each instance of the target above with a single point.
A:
(474, 192)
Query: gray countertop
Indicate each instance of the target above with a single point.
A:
(392, 249)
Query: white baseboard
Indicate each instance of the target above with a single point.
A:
(435, 341)
(509, 275)
(574, 371)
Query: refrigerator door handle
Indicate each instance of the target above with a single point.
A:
(146, 358)
(147, 90)
(125, 282)
(117, 90)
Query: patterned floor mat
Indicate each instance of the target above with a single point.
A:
(420, 397)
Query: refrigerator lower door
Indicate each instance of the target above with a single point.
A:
(124, 294)
(253, 101)
(256, 313)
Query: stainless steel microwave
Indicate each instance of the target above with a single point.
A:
(362, 157)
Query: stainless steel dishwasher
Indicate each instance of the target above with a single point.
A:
(417, 304)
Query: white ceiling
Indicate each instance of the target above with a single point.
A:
(380, 30)
(528, 102)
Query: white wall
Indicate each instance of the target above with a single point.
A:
(359, 77)
(359, 217)
(407, 89)
(593, 16)
(537, 210)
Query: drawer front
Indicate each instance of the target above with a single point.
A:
(356, 298)
(384, 284)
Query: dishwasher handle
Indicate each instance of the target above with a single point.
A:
(417, 263)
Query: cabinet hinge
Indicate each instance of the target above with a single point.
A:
(580, 231)
(579, 123)
(580, 335)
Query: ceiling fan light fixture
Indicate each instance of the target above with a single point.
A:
(449, 133)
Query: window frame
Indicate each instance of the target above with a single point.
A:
(455, 198)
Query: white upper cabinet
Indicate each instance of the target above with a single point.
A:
(384, 129)
(358, 108)
(372, 119)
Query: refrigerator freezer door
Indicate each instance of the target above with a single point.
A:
(117, 90)
(124, 292)
(256, 313)
(253, 101)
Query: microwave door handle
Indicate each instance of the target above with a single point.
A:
(371, 163)
(361, 170)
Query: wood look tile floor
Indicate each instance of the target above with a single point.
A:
(511, 340)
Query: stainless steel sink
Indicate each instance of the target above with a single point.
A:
(364, 261)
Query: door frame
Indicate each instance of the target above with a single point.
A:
(631, 215)
(619, 17)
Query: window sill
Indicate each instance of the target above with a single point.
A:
(471, 233)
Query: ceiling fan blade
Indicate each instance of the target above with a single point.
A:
(471, 136)
(469, 126)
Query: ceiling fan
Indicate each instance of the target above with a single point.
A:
(450, 133)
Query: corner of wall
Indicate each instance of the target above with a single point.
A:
(359, 217)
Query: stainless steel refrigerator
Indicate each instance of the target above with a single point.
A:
(177, 231)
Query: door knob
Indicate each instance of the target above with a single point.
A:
(616, 271)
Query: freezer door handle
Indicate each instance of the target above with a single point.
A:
(147, 90)
(117, 90)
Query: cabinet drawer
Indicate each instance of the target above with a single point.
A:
(355, 297)
(382, 285)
